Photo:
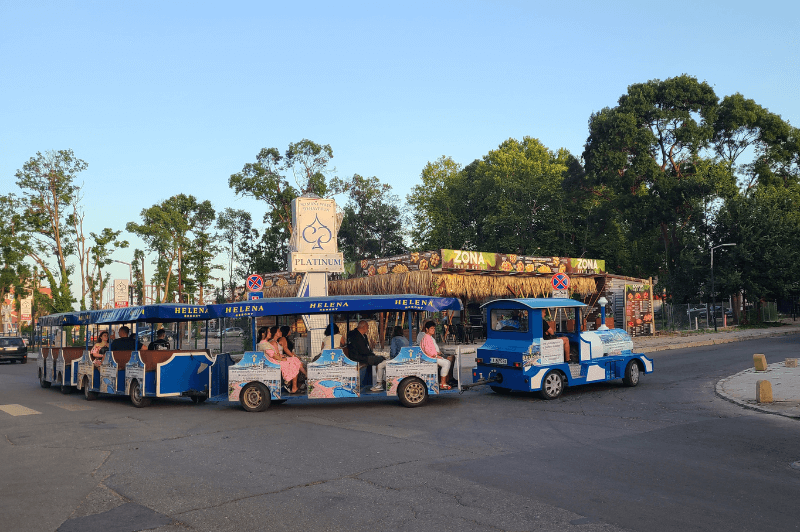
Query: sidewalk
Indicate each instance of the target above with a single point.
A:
(741, 389)
(690, 339)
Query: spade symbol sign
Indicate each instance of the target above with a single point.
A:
(317, 233)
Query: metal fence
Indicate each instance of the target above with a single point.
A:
(694, 316)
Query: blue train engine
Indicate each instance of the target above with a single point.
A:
(524, 351)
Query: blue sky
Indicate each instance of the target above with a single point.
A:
(162, 97)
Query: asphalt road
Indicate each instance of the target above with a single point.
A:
(665, 455)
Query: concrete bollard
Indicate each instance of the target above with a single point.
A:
(763, 391)
(791, 362)
(760, 362)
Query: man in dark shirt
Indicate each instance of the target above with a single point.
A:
(358, 348)
(125, 342)
(160, 343)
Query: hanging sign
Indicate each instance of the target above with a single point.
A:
(120, 293)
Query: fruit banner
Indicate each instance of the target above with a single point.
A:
(461, 260)
(417, 261)
(638, 310)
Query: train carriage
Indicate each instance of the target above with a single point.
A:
(142, 374)
(255, 381)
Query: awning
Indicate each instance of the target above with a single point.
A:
(535, 303)
(65, 318)
(333, 305)
(163, 312)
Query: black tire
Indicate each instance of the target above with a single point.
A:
(137, 396)
(23, 361)
(66, 389)
(631, 377)
(499, 390)
(43, 383)
(412, 392)
(199, 399)
(552, 385)
(87, 393)
(255, 397)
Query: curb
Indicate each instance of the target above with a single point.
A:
(717, 341)
(722, 395)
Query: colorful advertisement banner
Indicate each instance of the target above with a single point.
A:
(638, 310)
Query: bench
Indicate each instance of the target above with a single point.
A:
(151, 359)
(72, 353)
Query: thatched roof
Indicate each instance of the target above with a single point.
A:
(463, 286)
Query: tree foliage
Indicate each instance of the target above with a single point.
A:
(372, 225)
(48, 189)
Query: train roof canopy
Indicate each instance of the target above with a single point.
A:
(333, 305)
(535, 303)
(162, 312)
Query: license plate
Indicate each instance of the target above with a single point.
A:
(500, 361)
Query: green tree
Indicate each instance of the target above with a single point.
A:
(47, 185)
(765, 226)
(235, 226)
(267, 180)
(647, 155)
(440, 207)
(511, 200)
(137, 271)
(165, 229)
(202, 249)
(372, 225)
(98, 257)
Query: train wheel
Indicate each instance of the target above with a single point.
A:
(631, 377)
(412, 392)
(552, 386)
(137, 395)
(43, 383)
(255, 397)
(87, 393)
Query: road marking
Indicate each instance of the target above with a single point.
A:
(72, 407)
(18, 410)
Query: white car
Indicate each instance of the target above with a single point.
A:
(230, 331)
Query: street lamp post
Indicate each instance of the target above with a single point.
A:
(713, 293)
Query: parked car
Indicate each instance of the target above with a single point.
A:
(230, 331)
(13, 349)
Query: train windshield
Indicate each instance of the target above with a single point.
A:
(513, 320)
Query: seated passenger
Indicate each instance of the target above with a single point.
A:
(291, 366)
(548, 333)
(125, 342)
(358, 350)
(160, 343)
(431, 349)
(398, 341)
(263, 339)
(338, 340)
(99, 349)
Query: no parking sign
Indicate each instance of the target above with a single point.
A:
(254, 283)
(560, 281)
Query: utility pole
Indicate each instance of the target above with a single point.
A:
(713, 293)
